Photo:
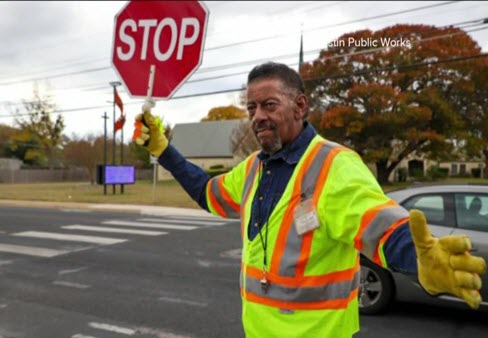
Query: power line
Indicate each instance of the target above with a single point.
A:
(365, 51)
(39, 78)
(83, 61)
(138, 102)
(252, 62)
(333, 25)
(397, 67)
(59, 66)
(54, 76)
(79, 61)
(286, 56)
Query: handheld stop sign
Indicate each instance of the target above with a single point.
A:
(158, 45)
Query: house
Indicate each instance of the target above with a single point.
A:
(205, 144)
(8, 168)
(208, 144)
(415, 166)
(10, 164)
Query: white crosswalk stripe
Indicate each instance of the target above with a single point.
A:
(151, 225)
(139, 227)
(180, 221)
(190, 219)
(114, 230)
(31, 250)
(73, 238)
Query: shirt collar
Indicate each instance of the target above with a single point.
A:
(292, 153)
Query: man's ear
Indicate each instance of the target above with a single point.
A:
(301, 106)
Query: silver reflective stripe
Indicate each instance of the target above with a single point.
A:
(329, 291)
(250, 178)
(214, 187)
(312, 174)
(293, 245)
(377, 227)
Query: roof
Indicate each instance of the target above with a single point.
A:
(204, 139)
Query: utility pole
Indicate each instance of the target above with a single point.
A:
(114, 84)
(105, 117)
(122, 154)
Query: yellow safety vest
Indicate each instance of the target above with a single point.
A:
(314, 278)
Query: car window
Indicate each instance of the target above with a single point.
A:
(431, 205)
(472, 211)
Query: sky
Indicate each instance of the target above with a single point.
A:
(65, 50)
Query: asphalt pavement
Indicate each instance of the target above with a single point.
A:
(183, 284)
(139, 271)
(131, 208)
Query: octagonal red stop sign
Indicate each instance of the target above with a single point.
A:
(167, 34)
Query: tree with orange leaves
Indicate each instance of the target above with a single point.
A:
(225, 113)
(391, 92)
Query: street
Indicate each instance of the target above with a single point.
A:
(86, 274)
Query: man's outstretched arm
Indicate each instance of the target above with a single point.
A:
(150, 135)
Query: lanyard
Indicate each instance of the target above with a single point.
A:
(264, 241)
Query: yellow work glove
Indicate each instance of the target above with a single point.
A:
(445, 264)
(149, 132)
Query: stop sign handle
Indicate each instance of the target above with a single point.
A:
(148, 104)
(150, 85)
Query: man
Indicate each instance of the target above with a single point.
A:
(308, 206)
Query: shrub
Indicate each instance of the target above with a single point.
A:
(418, 174)
(436, 173)
(215, 172)
(476, 172)
(402, 174)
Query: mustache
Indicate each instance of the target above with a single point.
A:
(264, 125)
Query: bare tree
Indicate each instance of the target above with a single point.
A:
(243, 141)
(86, 152)
(41, 129)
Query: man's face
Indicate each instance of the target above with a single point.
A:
(275, 117)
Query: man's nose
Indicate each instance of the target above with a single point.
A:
(259, 114)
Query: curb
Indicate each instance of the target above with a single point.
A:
(125, 208)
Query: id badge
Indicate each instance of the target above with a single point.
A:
(305, 218)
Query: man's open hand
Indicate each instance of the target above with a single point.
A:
(445, 264)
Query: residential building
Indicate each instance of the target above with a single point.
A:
(205, 144)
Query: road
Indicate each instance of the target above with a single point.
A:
(86, 274)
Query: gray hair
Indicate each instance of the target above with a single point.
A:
(290, 78)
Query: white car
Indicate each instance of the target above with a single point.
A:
(449, 209)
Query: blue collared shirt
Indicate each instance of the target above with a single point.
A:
(275, 174)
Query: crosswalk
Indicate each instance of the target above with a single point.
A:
(77, 237)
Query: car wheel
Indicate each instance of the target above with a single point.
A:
(376, 288)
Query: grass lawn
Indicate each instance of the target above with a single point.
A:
(166, 193)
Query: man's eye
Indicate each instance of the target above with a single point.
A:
(270, 105)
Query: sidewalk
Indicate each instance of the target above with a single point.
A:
(140, 209)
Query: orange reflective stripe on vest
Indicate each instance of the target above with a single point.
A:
(290, 288)
(375, 222)
(221, 200)
(292, 251)
(330, 291)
